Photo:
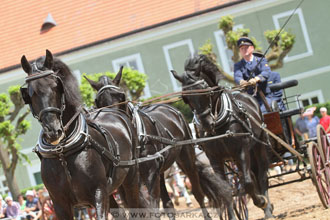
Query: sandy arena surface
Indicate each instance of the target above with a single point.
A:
(295, 201)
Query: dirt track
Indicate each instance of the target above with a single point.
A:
(295, 201)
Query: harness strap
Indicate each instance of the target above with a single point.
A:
(104, 151)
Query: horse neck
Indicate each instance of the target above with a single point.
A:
(69, 112)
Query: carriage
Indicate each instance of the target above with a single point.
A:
(232, 119)
(311, 156)
(316, 150)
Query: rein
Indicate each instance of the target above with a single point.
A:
(173, 94)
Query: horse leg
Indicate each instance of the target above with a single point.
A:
(116, 211)
(101, 203)
(167, 202)
(150, 179)
(186, 162)
(249, 180)
(136, 201)
(63, 210)
(223, 187)
(262, 168)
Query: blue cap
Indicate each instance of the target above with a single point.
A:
(244, 41)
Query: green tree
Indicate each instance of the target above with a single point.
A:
(133, 83)
(12, 125)
(280, 47)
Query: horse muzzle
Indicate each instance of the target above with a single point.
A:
(53, 136)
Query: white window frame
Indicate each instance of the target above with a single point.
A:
(223, 47)
(166, 49)
(299, 13)
(309, 95)
(137, 58)
(32, 169)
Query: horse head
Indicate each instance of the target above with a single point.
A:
(200, 103)
(47, 96)
(108, 91)
(200, 65)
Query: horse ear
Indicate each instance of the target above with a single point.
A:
(177, 76)
(95, 85)
(198, 70)
(26, 65)
(117, 79)
(49, 61)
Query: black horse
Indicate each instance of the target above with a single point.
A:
(79, 155)
(165, 121)
(220, 111)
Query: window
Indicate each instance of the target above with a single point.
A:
(37, 177)
(178, 51)
(134, 62)
(298, 27)
(225, 53)
(34, 173)
(311, 98)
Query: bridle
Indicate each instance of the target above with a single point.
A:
(113, 89)
(209, 94)
(28, 92)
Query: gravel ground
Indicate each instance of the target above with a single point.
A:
(295, 201)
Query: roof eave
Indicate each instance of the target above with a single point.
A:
(3, 70)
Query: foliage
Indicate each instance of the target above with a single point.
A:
(36, 188)
(280, 48)
(184, 109)
(133, 82)
(4, 105)
(285, 40)
(12, 125)
(318, 106)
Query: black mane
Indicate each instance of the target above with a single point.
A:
(202, 64)
(71, 87)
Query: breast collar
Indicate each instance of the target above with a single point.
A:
(77, 140)
(137, 121)
(224, 111)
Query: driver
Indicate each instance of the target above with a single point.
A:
(253, 69)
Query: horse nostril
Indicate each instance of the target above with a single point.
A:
(59, 132)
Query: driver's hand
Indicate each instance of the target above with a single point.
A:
(254, 81)
(243, 82)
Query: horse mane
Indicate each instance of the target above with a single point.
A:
(70, 83)
(208, 70)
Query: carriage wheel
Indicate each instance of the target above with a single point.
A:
(240, 199)
(320, 174)
(323, 142)
(47, 209)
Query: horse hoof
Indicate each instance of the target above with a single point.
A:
(265, 203)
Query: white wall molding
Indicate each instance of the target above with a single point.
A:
(303, 26)
(308, 74)
(166, 48)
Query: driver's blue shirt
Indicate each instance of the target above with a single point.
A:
(244, 70)
(277, 95)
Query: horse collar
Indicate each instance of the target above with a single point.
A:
(77, 140)
(225, 110)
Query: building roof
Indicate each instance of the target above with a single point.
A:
(75, 24)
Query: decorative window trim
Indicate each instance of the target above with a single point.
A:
(299, 13)
(166, 49)
(32, 169)
(223, 47)
(308, 95)
(137, 58)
